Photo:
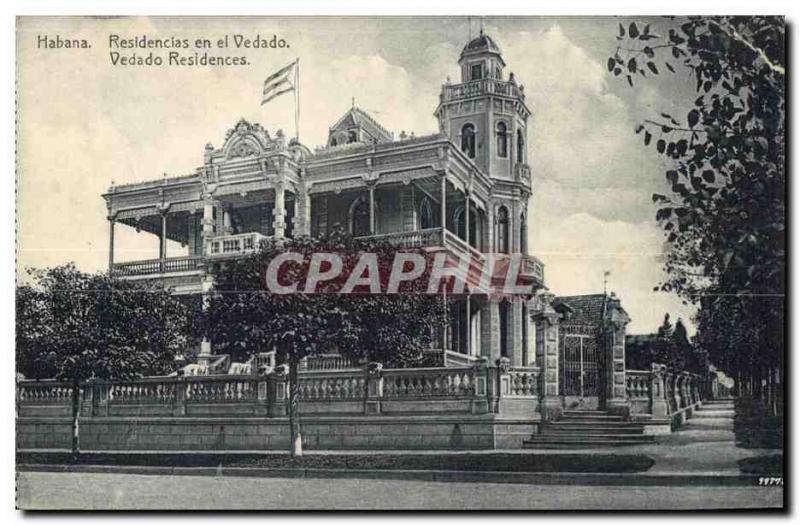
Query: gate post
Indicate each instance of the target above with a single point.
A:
(547, 320)
(616, 400)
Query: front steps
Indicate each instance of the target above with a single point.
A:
(588, 429)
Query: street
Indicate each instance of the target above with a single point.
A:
(39, 490)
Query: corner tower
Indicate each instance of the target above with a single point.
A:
(485, 114)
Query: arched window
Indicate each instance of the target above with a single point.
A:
(520, 146)
(468, 140)
(359, 217)
(523, 234)
(502, 140)
(426, 219)
(503, 245)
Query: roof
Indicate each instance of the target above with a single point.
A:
(356, 117)
(482, 42)
(586, 309)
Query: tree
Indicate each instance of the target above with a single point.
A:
(244, 317)
(666, 328)
(76, 327)
(724, 219)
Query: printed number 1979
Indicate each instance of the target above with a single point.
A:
(770, 482)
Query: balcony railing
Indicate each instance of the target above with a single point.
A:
(532, 267)
(234, 245)
(476, 88)
(157, 266)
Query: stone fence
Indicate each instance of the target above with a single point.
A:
(478, 406)
(663, 396)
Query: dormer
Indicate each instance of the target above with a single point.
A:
(357, 126)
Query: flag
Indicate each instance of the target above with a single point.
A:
(279, 83)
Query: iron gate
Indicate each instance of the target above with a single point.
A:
(579, 364)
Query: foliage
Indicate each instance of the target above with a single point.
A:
(244, 318)
(74, 326)
(724, 220)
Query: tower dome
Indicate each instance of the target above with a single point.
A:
(480, 45)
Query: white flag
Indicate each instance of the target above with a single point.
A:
(279, 83)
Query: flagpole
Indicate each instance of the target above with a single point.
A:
(297, 101)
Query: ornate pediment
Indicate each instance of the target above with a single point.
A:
(247, 139)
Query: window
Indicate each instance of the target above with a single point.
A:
(520, 146)
(523, 234)
(351, 137)
(498, 74)
(476, 72)
(502, 230)
(468, 140)
(502, 140)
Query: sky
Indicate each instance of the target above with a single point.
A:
(84, 124)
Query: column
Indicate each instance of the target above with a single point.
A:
(279, 212)
(302, 212)
(208, 220)
(443, 207)
(490, 329)
(516, 332)
(227, 226)
(162, 248)
(466, 216)
(468, 322)
(372, 209)
(111, 222)
(528, 320)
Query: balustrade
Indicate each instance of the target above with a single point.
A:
(224, 389)
(481, 87)
(523, 382)
(157, 266)
(44, 392)
(428, 382)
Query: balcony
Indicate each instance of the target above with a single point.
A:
(228, 246)
(477, 88)
(152, 267)
(532, 268)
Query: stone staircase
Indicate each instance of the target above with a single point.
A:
(588, 429)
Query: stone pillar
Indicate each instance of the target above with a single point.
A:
(111, 222)
(206, 351)
(616, 396)
(372, 405)
(279, 212)
(547, 322)
(616, 401)
(659, 408)
(490, 329)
